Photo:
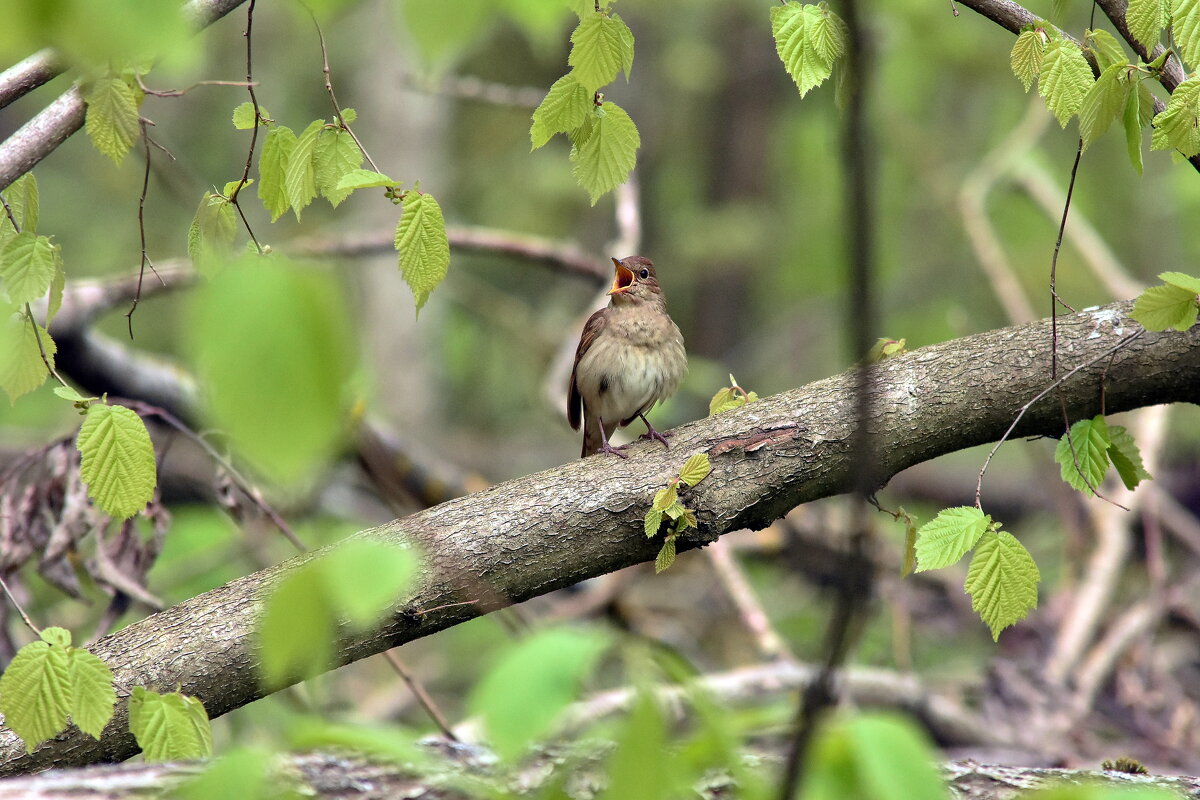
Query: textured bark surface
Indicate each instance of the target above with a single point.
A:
(545, 531)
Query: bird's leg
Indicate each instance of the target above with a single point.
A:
(653, 434)
(605, 447)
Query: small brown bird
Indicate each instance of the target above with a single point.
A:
(630, 357)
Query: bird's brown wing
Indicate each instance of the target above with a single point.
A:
(591, 329)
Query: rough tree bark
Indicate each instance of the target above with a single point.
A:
(540, 533)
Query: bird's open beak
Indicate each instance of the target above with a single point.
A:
(623, 279)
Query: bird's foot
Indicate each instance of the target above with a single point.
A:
(653, 434)
(616, 451)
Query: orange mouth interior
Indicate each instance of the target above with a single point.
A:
(623, 279)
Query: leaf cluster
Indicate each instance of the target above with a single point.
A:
(810, 40)
(730, 397)
(1085, 452)
(1173, 304)
(667, 506)
(604, 139)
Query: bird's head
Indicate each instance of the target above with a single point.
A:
(634, 282)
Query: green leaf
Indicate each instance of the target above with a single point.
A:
(1026, 56)
(675, 510)
(1065, 79)
(364, 179)
(1124, 454)
(336, 155)
(422, 244)
(1132, 120)
(948, 536)
(695, 469)
(885, 348)
(245, 771)
(564, 109)
(1089, 438)
(665, 498)
(272, 170)
(27, 267)
(1185, 30)
(117, 460)
(637, 770)
(296, 629)
(211, 234)
(364, 578)
(169, 727)
(56, 635)
(284, 401)
(243, 116)
(92, 693)
(1002, 581)
(22, 198)
(230, 186)
(652, 522)
(601, 46)
(909, 562)
(827, 35)
(1145, 20)
(21, 367)
(349, 116)
(1105, 47)
(666, 556)
(794, 44)
(1103, 103)
(300, 177)
(58, 285)
(1178, 125)
(1182, 280)
(69, 394)
(35, 692)
(893, 759)
(724, 400)
(520, 698)
(1162, 307)
(112, 117)
(605, 160)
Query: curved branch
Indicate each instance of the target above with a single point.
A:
(530, 536)
(26, 75)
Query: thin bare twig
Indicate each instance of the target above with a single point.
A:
(142, 233)
(181, 92)
(754, 616)
(233, 196)
(422, 696)
(12, 599)
(337, 109)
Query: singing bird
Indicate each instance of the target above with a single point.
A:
(630, 357)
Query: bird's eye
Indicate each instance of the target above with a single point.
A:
(645, 273)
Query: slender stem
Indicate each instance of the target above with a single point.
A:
(12, 599)
(233, 196)
(337, 109)
(422, 696)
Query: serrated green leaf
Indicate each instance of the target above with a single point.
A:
(211, 234)
(1105, 47)
(652, 522)
(1178, 125)
(1145, 20)
(364, 579)
(243, 116)
(272, 170)
(695, 469)
(336, 155)
(22, 198)
(21, 367)
(562, 110)
(600, 46)
(1182, 280)
(1064, 79)
(1103, 103)
(520, 698)
(1125, 456)
(605, 160)
(300, 177)
(1133, 127)
(1002, 581)
(1087, 447)
(665, 498)
(948, 536)
(724, 400)
(69, 394)
(793, 43)
(112, 120)
(296, 629)
(364, 179)
(229, 187)
(675, 510)
(56, 635)
(92, 693)
(27, 265)
(688, 520)
(58, 285)
(1026, 57)
(827, 35)
(169, 727)
(1162, 307)
(35, 693)
(422, 244)
(666, 556)
(909, 561)
(117, 460)
(1185, 30)
(349, 116)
